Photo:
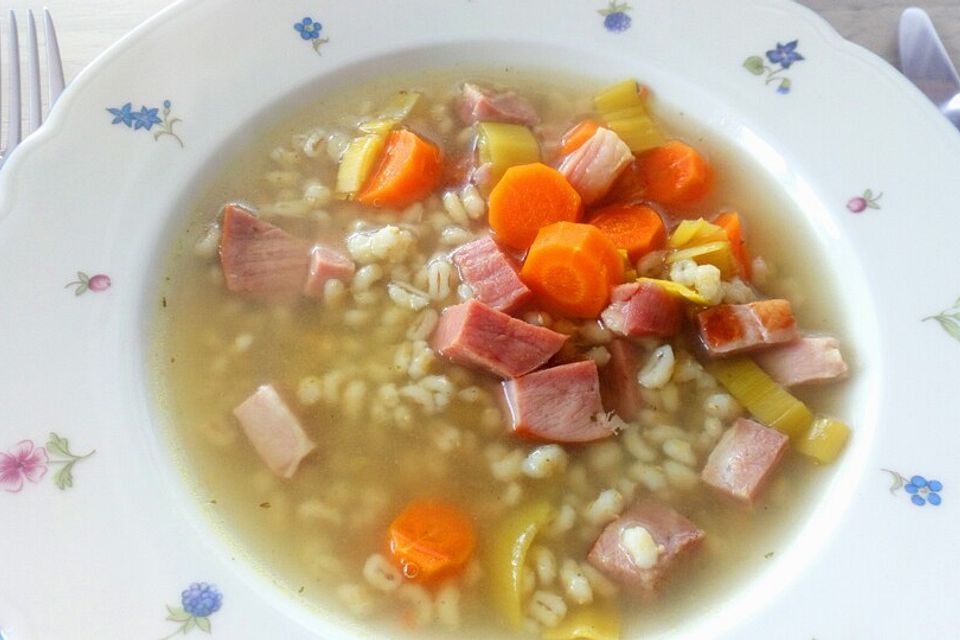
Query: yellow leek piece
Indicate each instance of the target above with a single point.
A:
(824, 441)
(623, 110)
(504, 146)
(639, 133)
(769, 403)
(507, 555)
(357, 163)
(677, 289)
(630, 113)
(623, 95)
(690, 233)
(599, 621)
(392, 114)
(719, 254)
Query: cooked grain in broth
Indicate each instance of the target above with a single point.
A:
(395, 422)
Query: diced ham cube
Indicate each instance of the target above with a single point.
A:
(274, 431)
(618, 380)
(734, 328)
(594, 166)
(559, 404)
(259, 258)
(474, 334)
(638, 549)
(485, 105)
(744, 459)
(642, 309)
(326, 264)
(803, 361)
(491, 275)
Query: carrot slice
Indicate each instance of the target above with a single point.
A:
(634, 228)
(571, 267)
(730, 223)
(577, 135)
(674, 174)
(431, 540)
(527, 198)
(409, 169)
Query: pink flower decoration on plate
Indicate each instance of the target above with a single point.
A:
(23, 461)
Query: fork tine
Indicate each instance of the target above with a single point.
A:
(54, 64)
(13, 114)
(33, 75)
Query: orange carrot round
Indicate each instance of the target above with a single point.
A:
(431, 540)
(730, 223)
(527, 198)
(571, 267)
(577, 135)
(674, 174)
(409, 169)
(634, 228)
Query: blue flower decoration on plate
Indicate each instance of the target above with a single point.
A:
(923, 491)
(123, 115)
(308, 29)
(785, 54)
(147, 118)
(201, 599)
(615, 16)
(198, 602)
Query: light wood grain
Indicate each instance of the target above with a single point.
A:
(86, 28)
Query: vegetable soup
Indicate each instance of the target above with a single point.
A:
(483, 355)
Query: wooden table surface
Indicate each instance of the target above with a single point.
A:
(88, 27)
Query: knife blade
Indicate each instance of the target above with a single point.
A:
(924, 60)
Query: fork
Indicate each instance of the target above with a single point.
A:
(55, 82)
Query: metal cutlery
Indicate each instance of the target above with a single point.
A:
(34, 101)
(924, 60)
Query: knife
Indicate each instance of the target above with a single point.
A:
(924, 61)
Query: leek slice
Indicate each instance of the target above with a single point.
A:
(599, 621)
(361, 154)
(629, 113)
(357, 163)
(505, 145)
(719, 254)
(392, 114)
(824, 440)
(623, 95)
(769, 403)
(695, 232)
(507, 556)
(640, 134)
(677, 289)
(623, 110)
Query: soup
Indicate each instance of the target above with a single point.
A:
(499, 355)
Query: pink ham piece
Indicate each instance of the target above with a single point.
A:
(734, 328)
(259, 258)
(491, 275)
(618, 380)
(642, 309)
(274, 431)
(594, 166)
(326, 264)
(485, 105)
(620, 554)
(473, 334)
(803, 361)
(742, 462)
(559, 404)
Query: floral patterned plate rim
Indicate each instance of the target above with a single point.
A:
(90, 497)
